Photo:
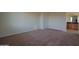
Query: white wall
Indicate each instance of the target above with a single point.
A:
(46, 19)
(12, 23)
(57, 21)
(43, 20)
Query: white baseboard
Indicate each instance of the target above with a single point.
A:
(9, 34)
(18, 32)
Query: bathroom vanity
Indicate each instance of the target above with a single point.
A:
(72, 26)
(73, 23)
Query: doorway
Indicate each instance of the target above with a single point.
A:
(72, 24)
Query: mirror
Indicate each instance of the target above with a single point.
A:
(74, 19)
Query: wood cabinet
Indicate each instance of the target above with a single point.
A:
(72, 26)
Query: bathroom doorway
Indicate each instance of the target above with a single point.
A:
(72, 23)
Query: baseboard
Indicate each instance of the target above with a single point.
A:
(9, 34)
(5, 35)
